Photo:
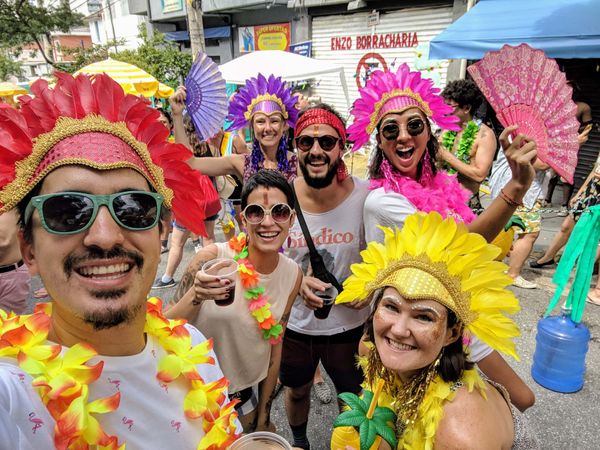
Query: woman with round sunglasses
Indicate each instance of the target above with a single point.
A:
(248, 333)
(404, 178)
(267, 107)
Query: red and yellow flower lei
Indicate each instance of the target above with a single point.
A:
(62, 381)
(258, 303)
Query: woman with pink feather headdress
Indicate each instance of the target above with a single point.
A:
(400, 107)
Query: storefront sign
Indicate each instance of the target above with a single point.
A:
(275, 36)
(373, 19)
(272, 37)
(302, 48)
(246, 39)
(169, 6)
(385, 40)
(369, 63)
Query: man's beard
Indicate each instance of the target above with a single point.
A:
(319, 182)
(112, 315)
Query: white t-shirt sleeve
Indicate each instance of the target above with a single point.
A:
(388, 209)
(478, 350)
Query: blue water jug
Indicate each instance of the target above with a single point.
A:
(559, 358)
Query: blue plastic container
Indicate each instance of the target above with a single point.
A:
(559, 358)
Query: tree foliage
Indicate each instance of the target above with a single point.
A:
(23, 22)
(8, 67)
(156, 55)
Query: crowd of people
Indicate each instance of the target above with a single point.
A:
(397, 270)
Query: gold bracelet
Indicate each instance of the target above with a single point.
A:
(510, 201)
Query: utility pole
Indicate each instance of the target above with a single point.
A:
(195, 26)
(112, 24)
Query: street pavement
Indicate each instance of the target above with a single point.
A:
(562, 421)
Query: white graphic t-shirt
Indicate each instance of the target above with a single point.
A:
(149, 416)
(339, 237)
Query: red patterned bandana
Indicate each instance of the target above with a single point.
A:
(318, 116)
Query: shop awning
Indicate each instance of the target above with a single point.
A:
(209, 33)
(563, 29)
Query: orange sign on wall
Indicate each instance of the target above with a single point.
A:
(276, 36)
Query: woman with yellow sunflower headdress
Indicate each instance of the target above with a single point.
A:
(432, 286)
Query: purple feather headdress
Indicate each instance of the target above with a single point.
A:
(389, 92)
(264, 95)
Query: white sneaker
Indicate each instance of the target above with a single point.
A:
(522, 283)
(197, 247)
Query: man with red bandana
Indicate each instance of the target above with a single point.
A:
(331, 202)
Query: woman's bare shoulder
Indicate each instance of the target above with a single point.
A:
(473, 422)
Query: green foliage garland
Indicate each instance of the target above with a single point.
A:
(463, 153)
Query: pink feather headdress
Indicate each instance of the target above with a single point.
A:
(388, 92)
(89, 121)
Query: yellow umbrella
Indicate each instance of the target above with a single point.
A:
(164, 91)
(9, 90)
(133, 79)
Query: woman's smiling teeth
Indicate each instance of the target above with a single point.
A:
(268, 234)
(398, 345)
(405, 153)
(105, 272)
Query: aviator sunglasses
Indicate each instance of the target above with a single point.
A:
(391, 130)
(74, 212)
(326, 142)
(255, 213)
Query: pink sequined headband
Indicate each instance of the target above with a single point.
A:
(388, 92)
(316, 116)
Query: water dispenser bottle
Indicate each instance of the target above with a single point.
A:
(559, 358)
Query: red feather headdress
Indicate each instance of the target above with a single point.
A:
(91, 122)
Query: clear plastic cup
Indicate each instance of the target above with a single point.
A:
(223, 268)
(261, 440)
(328, 296)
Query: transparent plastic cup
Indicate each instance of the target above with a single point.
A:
(261, 440)
(328, 296)
(222, 268)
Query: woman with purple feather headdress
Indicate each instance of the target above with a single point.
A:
(267, 106)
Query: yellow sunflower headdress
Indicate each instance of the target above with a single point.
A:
(436, 259)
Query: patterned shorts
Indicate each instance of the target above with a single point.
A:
(531, 217)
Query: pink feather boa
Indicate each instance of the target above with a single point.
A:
(443, 193)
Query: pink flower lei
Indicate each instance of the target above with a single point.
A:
(440, 192)
(258, 303)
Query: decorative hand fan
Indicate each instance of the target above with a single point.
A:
(206, 100)
(526, 88)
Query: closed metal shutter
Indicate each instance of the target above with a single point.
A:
(426, 22)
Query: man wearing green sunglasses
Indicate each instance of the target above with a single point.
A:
(89, 170)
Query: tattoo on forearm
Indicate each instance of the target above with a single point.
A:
(268, 406)
(187, 281)
(284, 318)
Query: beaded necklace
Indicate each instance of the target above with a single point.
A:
(62, 380)
(463, 152)
(418, 404)
(258, 302)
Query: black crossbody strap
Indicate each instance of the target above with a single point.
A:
(316, 260)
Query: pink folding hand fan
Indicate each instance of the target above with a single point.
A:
(526, 88)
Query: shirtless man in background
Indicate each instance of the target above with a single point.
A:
(470, 152)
